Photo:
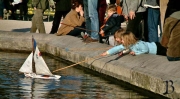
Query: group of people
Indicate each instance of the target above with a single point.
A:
(95, 20)
(168, 46)
(83, 17)
(13, 5)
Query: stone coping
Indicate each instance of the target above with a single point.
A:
(150, 72)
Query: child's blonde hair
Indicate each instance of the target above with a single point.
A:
(129, 39)
(118, 34)
(112, 8)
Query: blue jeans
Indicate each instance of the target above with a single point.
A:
(173, 58)
(91, 16)
(153, 22)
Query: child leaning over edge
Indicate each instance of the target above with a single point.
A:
(111, 24)
(137, 47)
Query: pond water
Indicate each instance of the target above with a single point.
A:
(75, 83)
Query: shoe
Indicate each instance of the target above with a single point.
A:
(89, 40)
(51, 33)
(84, 36)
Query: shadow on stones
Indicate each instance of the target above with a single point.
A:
(22, 30)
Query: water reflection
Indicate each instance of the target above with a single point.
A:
(74, 83)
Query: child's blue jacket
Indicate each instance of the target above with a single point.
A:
(140, 47)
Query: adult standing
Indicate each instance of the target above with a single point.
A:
(37, 21)
(23, 7)
(153, 19)
(134, 12)
(62, 7)
(9, 6)
(102, 5)
(92, 20)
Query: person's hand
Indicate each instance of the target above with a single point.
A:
(101, 32)
(120, 54)
(132, 15)
(104, 54)
(132, 53)
(126, 17)
(81, 12)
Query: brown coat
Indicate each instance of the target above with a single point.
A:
(72, 19)
(171, 40)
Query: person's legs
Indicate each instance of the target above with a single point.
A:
(87, 18)
(12, 12)
(76, 32)
(153, 22)
(38, 21)
(93, 14)
(1, 9)
(145, 27)
(102, 5)
(40, 25)
(160, 49)
(101, 11)
(56, 22)
(21, 8)
(133, 25)
(33, 27)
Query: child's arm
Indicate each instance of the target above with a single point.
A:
(113, 50)
(110, 23)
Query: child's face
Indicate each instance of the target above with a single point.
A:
(118, 40)
(110, 12)
(122, 41)
(80, 8)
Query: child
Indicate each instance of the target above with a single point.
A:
(112, 24)
(137, 47)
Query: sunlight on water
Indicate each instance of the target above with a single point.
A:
(74, 83)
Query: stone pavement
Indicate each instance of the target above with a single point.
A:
(21, 26)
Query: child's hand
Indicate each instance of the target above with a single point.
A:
(132, 53)
(120, 54)
(81, 12)
(104, 54)
(102, 33)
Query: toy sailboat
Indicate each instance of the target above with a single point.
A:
(35, 66)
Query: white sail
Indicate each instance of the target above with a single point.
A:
(27, 66)
(40, 65)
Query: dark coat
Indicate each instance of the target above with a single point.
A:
(172, 6)
(62, 5)
(113, 24)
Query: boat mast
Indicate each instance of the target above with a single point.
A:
(33, 63)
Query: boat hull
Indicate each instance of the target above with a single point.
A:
(33, 75)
